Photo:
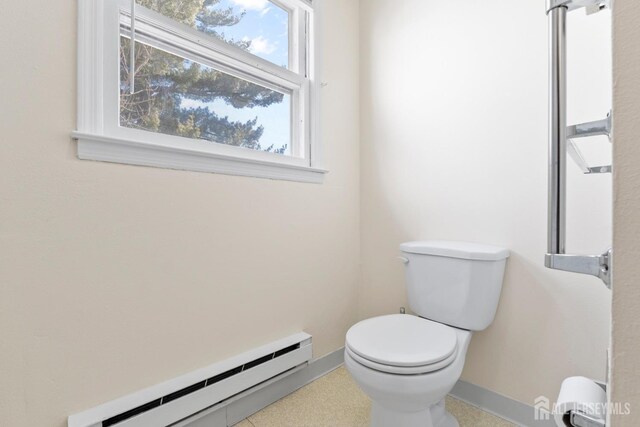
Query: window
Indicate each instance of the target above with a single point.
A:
(228, 86)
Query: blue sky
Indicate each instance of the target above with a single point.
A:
(266, 25)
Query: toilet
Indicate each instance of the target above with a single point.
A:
(406, 363)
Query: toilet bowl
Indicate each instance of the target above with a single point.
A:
(408, 373)
(407, 364)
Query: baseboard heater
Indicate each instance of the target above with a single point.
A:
(172, 401)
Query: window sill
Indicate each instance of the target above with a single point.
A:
(113, 150)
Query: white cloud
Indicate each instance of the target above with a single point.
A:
(261, 45)
(259, 5)
(265, 11)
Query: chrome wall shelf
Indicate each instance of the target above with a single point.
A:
(562, 142)
(591, 6)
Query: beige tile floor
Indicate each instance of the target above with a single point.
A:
(336, 401)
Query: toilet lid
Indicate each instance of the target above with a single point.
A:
(402, 340)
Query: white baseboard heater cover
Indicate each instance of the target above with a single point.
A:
(182, 397)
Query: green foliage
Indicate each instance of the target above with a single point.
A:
(188, 128)
(163, 82)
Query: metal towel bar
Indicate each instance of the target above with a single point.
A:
(561, 143)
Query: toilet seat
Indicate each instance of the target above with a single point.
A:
(399, 370)
(402, 344)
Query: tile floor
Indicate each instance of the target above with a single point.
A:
(336, 401)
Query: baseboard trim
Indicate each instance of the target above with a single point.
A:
(251, 401)
(504, 407)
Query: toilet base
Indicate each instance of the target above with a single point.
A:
(436, 416)
(449, 421)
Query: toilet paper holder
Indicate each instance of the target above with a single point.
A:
(579, 419)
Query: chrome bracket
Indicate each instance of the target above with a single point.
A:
(584, 130)
(578, 419)
(594, 265)
(591, 6)
(577, 157)
(598, 127)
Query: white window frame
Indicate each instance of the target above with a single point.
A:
(100, 136)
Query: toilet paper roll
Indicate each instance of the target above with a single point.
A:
(580, 394)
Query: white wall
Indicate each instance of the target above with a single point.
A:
(114, 278)
(454, 146)
(625, 379)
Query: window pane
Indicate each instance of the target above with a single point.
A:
(258, 26)
(175, 96)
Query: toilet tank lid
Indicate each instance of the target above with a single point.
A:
(463, 250)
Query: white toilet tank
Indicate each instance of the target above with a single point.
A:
(455, 283)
